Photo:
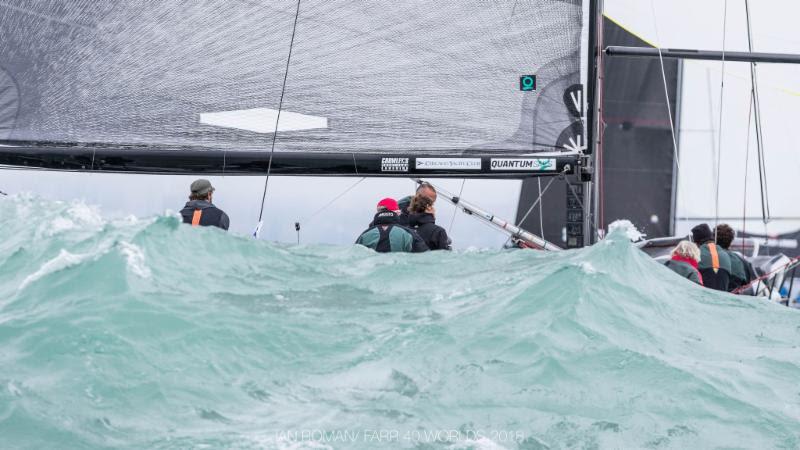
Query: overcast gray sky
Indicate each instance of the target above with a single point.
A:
(289, 199)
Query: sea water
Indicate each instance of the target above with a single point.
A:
(146, 333)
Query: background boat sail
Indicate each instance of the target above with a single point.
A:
(736, 150)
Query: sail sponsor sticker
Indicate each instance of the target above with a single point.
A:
(532, 164)
(448, 164)
(394, 164)
(527, 83)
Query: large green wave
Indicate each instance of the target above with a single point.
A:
(145, 333)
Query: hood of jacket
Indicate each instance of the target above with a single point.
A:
(198, 204)
(385, 218)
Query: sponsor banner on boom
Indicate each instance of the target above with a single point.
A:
(532, 164)
(448, 164)
(394, 164)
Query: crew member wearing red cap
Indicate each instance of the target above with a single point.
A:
(386, 235)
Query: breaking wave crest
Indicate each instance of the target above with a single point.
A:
(144, 333)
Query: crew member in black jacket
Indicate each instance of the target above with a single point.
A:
(421, 218)
(199, 211)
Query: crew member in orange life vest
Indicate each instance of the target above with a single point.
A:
(715, 263)
(199, 211)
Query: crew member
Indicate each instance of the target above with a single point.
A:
(421, 218)
(741, 270)
(715, 264)
(425, 189)
(386, 235)
(403, 204)
(200, 211)
(685, 257)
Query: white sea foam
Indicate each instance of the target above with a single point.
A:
(13, 389)
(134, 257)
(85, 215)
(587, 268)
(63, 261)
(78, 216)
(60, 224)
(628, 228)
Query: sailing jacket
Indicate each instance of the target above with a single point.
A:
(685, 267)
(714, 266)
(385, 235)
(741, 271)
(204, 214)
(434, 235)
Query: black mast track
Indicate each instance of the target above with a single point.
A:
(592, 62)
(708, 55)
(77, 157)
(593, 56)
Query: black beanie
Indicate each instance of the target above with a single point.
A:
(702, 233)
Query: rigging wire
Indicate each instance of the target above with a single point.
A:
(762, 168)
(719, 130)
(746, 167)
(541, 218)
(311, 217)
(277, 122)
(455, 210)
(538, 199)
(793, 263)
(536, 202)
(675, 155)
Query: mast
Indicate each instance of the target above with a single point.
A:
(593, 132)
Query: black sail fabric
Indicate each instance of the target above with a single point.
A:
(377, 76)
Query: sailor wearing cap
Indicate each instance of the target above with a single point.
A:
(386, 235)
(199, 211)
(715, 263)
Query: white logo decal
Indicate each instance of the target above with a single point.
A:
(394, 164)
(448, 163)
(539, 164)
